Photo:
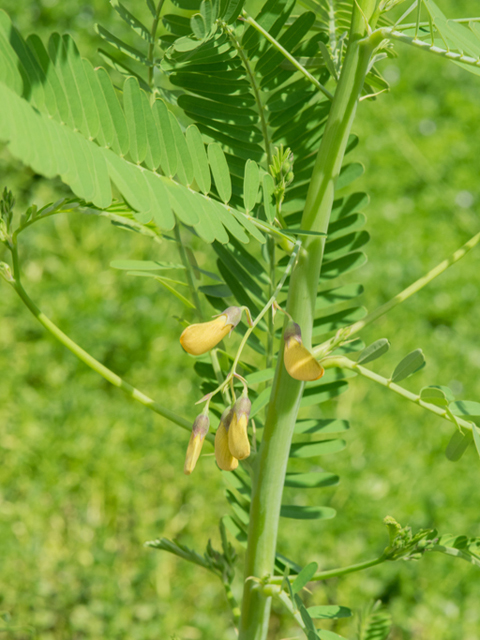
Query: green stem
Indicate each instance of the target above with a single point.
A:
(333, 573)
(196, 301)
(271, 460)
(346, 333)
(271, 289)
(392, 34)
(286, 54)
(89, 360)
(232, 602)
(151, 46)
(345, 363)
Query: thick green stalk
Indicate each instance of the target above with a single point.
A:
(271, 461)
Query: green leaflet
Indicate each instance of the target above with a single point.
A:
(306, 513)
(311, 480)
(85, 102)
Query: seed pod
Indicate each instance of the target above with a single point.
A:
(197, 339)
(238, 442)
(224, 458)
(199, 431)
(299, 362)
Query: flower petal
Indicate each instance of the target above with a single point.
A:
(197, 339)
(300, 363)
(224, 458)
(238, 442)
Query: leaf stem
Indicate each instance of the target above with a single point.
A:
(196, 301)
(286, 54)
(151, 46)
(346, 333)
(346, 363)
(393, 34)
(89, 360)
(333, 573)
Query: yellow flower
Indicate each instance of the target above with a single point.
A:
(299, 362)
(197, 339)
(224, 458)
(199, 431)
(238, 442)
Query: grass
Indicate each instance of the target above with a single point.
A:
(87, 476)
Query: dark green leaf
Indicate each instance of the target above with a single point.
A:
(312, 449)
(348, 174)
(122, 46)
(329, 612)
(374, 351)
(307, 513)
(133, 22)
(457, 446)
(216, 290)
(409, 365)
(325, 426)
(311, 480)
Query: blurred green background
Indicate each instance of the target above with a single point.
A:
(87, 477)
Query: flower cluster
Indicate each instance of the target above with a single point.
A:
(231, 439)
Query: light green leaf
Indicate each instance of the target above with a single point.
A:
(409, 365)
(324, 634)
(251, 183)
(348, 174)
(120, 143)
(465, 408)
(374, 351)
(166, 136)
(133, 105)
(220, 171)
(198, 25)
(207, 14)
(199, 157)
(434, 395)
(184, 159)
(269, 197)
(304, 577)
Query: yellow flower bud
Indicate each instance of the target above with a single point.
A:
(197, 339)
(238, 442)
(224, 458)
(299, 362)
(199, 431)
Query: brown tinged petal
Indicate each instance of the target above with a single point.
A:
(238, 442)
(199, 338)
(224, 458)
(299, 362)
(199, 431)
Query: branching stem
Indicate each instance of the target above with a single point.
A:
(345, 363)
(287, 55)
(346, 333)
(89, 360)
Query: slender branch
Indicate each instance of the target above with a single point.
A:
(345, 363)
(89, 360)
(286, 54)
(196, 301)
(333, 573)
(151, 46)
(392, 34)
(411, 25)
(346, 333)
(256, 93)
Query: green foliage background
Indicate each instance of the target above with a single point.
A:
(86, 476)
